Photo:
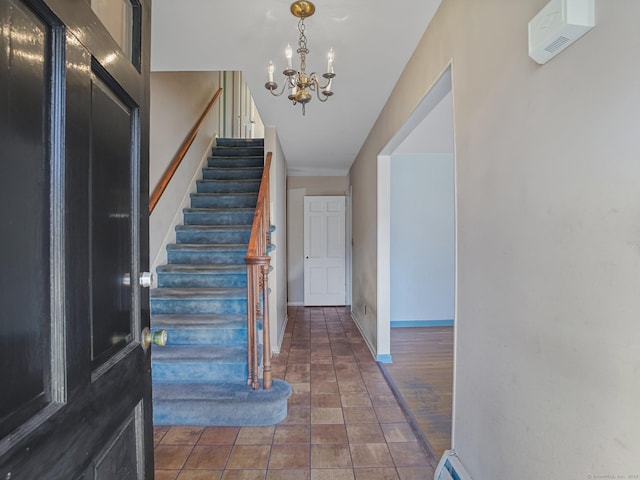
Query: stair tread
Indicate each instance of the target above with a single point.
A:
(235, 168)
(230, 210)
(229, 194)
(213, 227)
(219, 392)
(197, 321)
(188, 268)
(232, 158)
(239, 142)
(230, 180)
(211, 354)
(207, 246)
(181, 293)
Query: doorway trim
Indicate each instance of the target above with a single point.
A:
(435, 93)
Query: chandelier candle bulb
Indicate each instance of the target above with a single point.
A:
(288, 52)
(270, 70)
(330, 57)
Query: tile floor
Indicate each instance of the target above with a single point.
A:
(343, 421)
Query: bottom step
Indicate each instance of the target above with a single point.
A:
(219, 404)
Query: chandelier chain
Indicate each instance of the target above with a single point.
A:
(302, 45)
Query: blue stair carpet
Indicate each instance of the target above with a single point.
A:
(200, 376)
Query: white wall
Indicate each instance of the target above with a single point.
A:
(297, 188)
(422, 238)
(277, 278)
(177, 101)
(547, 370)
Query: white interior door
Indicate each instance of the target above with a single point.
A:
(324, 250)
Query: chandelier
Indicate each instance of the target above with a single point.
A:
(300, 84)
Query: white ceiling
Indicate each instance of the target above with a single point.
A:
(372, 40)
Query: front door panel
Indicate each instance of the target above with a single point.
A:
(24, 214)
(111, 227)
(76, 395)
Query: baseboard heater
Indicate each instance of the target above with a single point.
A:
(450, 468)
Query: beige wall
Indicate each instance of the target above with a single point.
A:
(297, 188)
(177, 101)
(548, 237)
(278, 277)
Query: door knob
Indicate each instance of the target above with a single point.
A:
(148, 337)
(146, 279)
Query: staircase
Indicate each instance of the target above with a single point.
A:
(200, 376)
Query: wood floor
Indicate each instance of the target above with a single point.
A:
(422, 371)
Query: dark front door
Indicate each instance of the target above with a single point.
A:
(75, 385)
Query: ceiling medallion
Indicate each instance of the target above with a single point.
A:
(302, 85)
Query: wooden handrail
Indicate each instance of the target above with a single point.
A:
(258, 260)
(179, 156)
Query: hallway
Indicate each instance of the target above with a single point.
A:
(343, 422)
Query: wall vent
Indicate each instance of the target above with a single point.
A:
(558, 25)
(557, 44)
(450, 468)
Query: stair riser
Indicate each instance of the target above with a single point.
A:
(240, 201)
(230, 186)
(207, 336)
(228, 404)
(201, 280)
(239, 142)
(214, 237)
(218, 218)
(198, 306)
(235, 414)
(231, 174)
(186, 371)
(206, 258)
(238, 151)
(227, 162)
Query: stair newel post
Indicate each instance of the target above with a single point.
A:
(266, 342)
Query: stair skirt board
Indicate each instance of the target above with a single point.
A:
(200, 376)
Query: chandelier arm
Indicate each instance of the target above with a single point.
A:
(322, 97)
(284, 87)
(323, 87)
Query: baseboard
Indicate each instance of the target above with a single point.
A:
(384, 358)
(422, 323)
(295, 304)
(278, 347)
(367, 341)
